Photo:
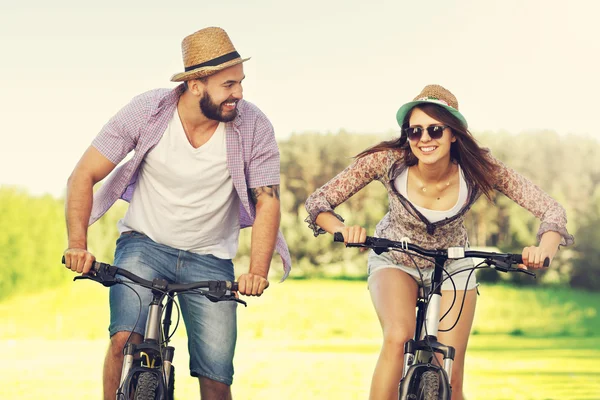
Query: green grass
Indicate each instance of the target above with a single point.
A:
(314, 340)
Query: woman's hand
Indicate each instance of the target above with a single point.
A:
(534, 257)
(353, 234)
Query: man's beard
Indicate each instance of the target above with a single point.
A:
(213, 111)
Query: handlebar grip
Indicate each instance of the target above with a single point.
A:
(518, 259)
(546, 262)
(234, 286)
(95, 265)
(338, 237)
(369, 241)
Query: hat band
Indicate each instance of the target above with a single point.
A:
(215, 61)
(434, 100)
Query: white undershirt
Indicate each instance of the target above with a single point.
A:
(184, 197)
(401, 185)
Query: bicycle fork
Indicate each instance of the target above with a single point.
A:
(422, 348)
(150, 347)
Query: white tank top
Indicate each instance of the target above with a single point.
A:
(401, 185)
(184, 197)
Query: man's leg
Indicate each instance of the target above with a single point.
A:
(138, 254)
(213, 390)
(114, 361)
(211, 327)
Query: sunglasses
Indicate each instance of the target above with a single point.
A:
(435, 132)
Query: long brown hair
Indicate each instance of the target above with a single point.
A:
(473, 159)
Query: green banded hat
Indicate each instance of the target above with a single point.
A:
(432, 94)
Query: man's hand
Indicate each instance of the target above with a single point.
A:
(79, 260)
(252, 284)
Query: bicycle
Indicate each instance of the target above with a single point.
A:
(421, 378)
(151, 375)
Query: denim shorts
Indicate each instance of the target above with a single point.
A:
(384, 260)
(211, 327)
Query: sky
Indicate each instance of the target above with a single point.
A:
(514, 65)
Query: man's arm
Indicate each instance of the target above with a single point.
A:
(264, 235)
(91, 169)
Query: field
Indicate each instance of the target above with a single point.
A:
(313, 340)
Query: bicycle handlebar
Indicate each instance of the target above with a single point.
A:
(106, 275)
(381, 244)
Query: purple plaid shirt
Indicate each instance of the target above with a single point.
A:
(252, 153)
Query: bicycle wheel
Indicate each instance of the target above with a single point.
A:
(429, 387)
(146, 386)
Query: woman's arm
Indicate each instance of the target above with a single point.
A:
(322, 202)
(330, 223)
(553, 229)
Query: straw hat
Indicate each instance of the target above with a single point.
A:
(432, 94)
(206, 52)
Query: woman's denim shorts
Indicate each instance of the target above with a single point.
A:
(384, 260)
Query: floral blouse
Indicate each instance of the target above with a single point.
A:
(403, 220)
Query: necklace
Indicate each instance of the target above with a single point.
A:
(424, 188)
(440, 186)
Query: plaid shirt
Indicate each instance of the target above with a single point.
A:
(252, 152)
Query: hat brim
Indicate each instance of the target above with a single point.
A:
(405, 109)
(205, 71)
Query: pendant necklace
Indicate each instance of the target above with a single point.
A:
(424, 188)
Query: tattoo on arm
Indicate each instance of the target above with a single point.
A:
(270, 191)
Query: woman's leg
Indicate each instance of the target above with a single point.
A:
(394, 295)
(458, 337)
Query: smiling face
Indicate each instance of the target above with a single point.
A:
(221, 93)
(427, 150)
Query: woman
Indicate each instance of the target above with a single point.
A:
(433, 174)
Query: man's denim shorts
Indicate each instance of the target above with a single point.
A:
(211, 327)
(459, 269)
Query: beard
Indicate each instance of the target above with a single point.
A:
(214, 111)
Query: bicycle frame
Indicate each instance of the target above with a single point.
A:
(420, 352)
(422, 348)
(155, 345)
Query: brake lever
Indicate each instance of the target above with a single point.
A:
(524, 271)
(240, 301)
(379, 250)
(224, 297)
(506, 267)
(106, 280)
(498, 265)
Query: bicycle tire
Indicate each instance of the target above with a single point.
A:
(146, 386)
(429, 386)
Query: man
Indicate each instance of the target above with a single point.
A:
(205, 165)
